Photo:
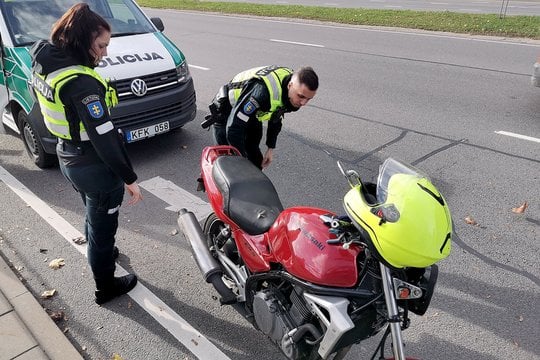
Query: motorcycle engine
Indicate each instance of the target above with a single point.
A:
(276, 320)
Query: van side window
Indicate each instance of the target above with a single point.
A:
(25, 26)
(12, 22)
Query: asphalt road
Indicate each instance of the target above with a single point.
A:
(501, 7)
(438, 101)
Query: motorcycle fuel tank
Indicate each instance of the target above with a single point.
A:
(298, 242)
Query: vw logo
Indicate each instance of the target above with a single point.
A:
(138, 87)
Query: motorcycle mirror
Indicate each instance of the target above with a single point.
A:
(340, 166)
(351, 175)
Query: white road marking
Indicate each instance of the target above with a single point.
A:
(296, 43)
(199, 67)
(163, 314)
(176, 197)
(519, 136)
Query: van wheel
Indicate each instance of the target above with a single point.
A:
(33, 145)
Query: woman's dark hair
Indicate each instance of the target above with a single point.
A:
(76, 30)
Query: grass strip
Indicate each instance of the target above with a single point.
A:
(473, 24)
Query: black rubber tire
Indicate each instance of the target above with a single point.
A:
(212, 227)
(33, 144)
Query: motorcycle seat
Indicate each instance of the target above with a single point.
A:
(249, 197)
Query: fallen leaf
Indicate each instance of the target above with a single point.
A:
(469, 220)
(57, 263)
(521, 209)
(48, 293)
(79, 240)
(116, 357)
(174, 232)
(57, 315)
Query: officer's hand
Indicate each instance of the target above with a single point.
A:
(135, 192)
(268, 157)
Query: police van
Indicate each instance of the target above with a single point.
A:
(151, 75)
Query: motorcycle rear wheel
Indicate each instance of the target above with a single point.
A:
(211, 229)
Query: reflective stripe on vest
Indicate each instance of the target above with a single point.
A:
(47, 89)
(273, 78)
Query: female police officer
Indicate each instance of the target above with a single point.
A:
(74, 102)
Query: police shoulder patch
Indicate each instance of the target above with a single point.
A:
(250, 107)
(90, 98)
(95, 109)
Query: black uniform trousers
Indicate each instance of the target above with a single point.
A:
(252, 140)
(102, 192)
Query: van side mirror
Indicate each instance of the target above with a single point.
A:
(158, 23)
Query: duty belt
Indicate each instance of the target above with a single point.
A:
(74, 148)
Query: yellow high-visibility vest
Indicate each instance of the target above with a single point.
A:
(47, 89)
(273, 78)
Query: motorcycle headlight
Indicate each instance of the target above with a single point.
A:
(182, 72)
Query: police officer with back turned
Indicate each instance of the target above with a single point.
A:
(74, 102)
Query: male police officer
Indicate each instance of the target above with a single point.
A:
(253, 97)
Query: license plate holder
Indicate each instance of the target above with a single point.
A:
(146, 132)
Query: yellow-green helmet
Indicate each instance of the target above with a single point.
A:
(406, 222)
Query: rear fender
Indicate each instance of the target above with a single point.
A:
(209, 155)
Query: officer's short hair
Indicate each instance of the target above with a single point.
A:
(307, 76)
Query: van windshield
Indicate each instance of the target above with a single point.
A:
(32, 20)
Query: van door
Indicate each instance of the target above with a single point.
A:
(3, 84)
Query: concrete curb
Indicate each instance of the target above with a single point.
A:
(34, 322)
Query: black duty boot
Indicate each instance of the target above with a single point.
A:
(111, 289)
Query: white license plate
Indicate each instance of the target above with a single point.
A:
(148, 131)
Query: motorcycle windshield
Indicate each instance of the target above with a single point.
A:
(389, 168)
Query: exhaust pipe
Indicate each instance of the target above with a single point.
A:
(210, 268)
(192, 230)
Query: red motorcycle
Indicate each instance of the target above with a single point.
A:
(314, 282)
